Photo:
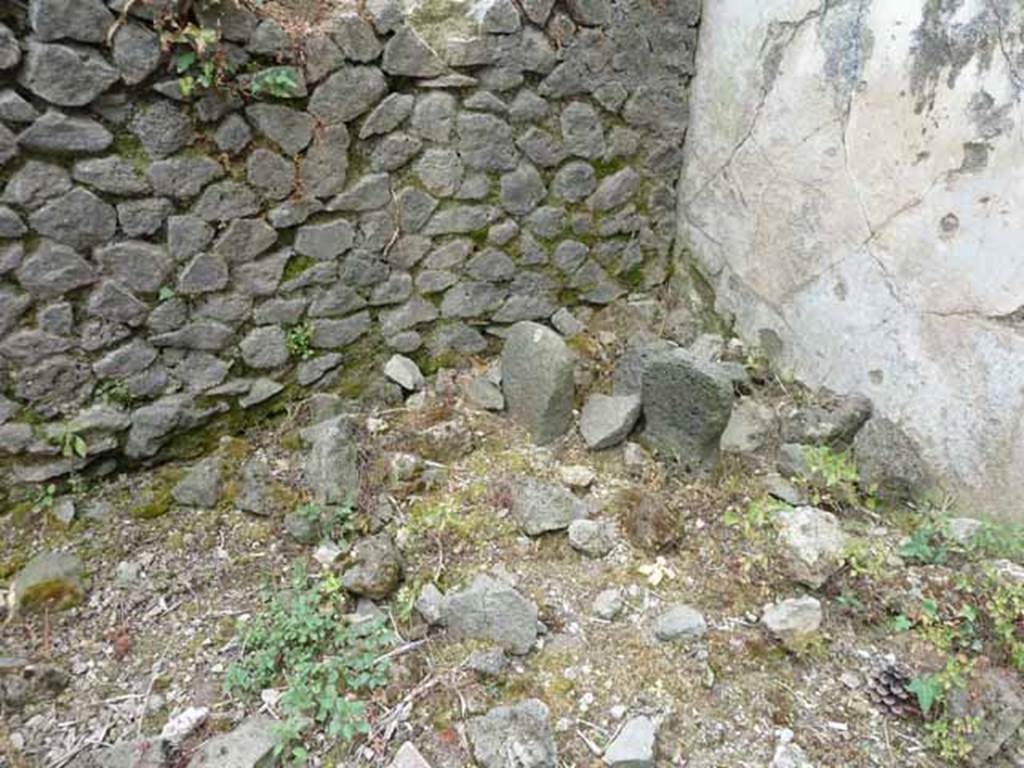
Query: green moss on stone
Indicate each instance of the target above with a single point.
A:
(568, 297)
(128, 146)
(431, 364)
(52, 579)
(633, 278)
(440, 20)
(603, 168)
(296, 265)
(358, 371)
(157, 499)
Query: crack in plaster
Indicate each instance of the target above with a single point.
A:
(771, 37)
(1015, 75)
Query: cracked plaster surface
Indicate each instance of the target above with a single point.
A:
(854, 191)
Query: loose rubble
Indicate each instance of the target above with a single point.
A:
(395, 352)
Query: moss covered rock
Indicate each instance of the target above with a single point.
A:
(50, 578)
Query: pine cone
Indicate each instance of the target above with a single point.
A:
(887, 689)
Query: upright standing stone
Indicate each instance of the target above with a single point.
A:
(686, 404)
(537, 378)
(331, 468)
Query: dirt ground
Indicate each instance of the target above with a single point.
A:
(166, 596)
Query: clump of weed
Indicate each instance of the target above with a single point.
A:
(326, 663)
(832, 479)
(300, 341)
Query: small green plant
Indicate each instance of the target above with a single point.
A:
(280, 82)
(950, 737)
(405, 599)
(197, 59)
(947, 735)
(997, 540)
(928, 690)
(757, 518)
(166, 294)
(851, 602)
(309, 511)
(336, 522)
(835, 468)
(300, 341)
(866, 558)
(326, 663)
(434, 519)
(925, 546)
(114, 392)
(78, 486)
(339, 522)
(902, 623)
(832, 477)
(947, 628)
(1005, 609)
(931, 690)
(72, 445)
(756, 523)
(44, 497)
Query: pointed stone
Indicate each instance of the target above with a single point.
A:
(408, 55)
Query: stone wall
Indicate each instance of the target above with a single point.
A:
(852, 192)
(428, 176)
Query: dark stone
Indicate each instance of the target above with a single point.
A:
(57, 133)
(347, 93)
(53, 269)
(273, 174)
(143, 218)
(537, 380)
(290, 129)
(408, 55)
(686, 406)
(183, 177)
(890, 464)
(139, 266)
(113, 174)
(64, 75)
(325, 164)
(78, 218)
(136, 52)
(163, 128)
(226, 200)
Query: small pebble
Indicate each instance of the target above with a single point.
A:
(577, 476)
